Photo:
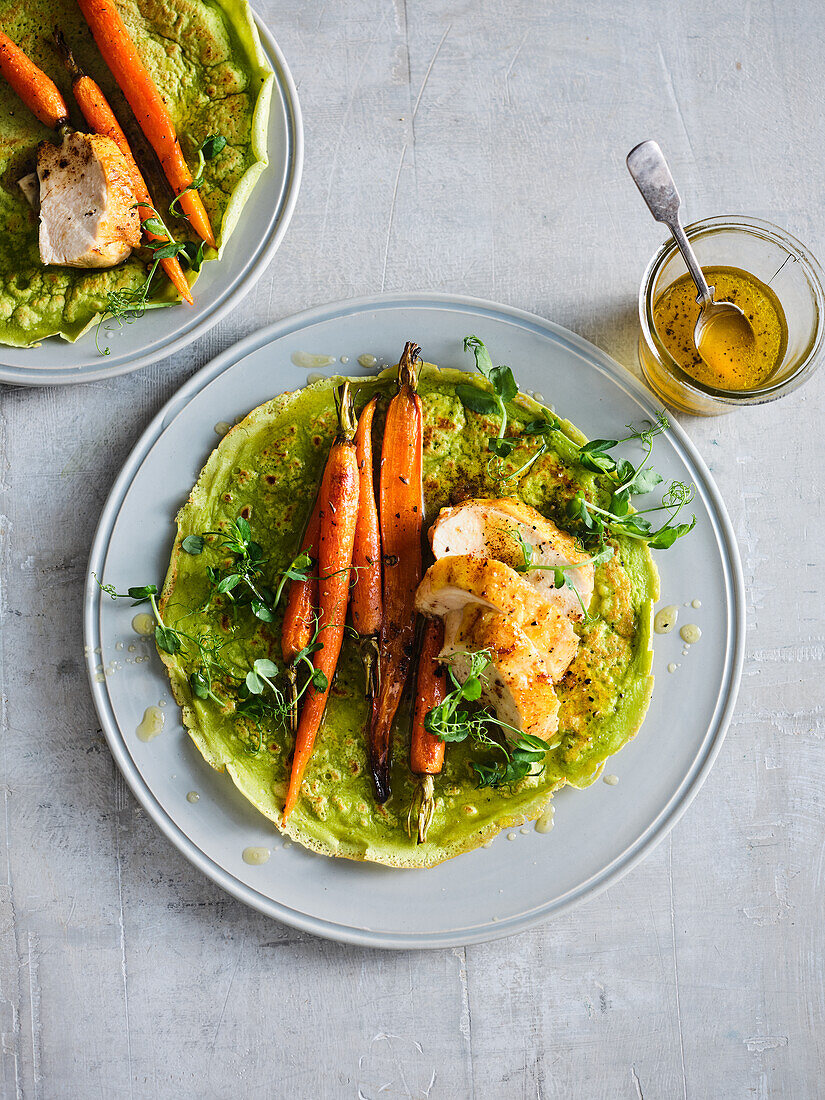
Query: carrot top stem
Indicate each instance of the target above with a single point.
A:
(347, 424)
(422, 808)
(408, 366)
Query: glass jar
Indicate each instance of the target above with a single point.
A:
(773, 256)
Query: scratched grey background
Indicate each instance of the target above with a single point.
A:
(474, 147)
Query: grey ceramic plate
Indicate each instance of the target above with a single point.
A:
(523, 877)
(222, 284)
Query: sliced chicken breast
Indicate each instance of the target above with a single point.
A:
(455, 580)
(491, 528)
(518, 684)
(461, 581)
(88, 216)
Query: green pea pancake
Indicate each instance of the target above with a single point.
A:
(206, 59)
(267, 469)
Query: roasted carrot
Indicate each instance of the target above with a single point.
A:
(119, 53)
(427, 750)
(38, 92)
(401, 506)
(366, 603)
(338, 512)
(297, 627)
(101, 118)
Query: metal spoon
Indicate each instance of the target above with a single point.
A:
(731, 328)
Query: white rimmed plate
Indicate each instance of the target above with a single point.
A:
(222, 284)
(523, 877)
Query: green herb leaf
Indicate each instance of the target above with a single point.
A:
(503, 382)
(193, 254)
(501, 447)
(262, 612)
(254, 683)
(199, 685)
(645, 481)
(156, 226)
(213, 146)
(265, 667)
(666, 536)
(483, 361)
(193, 544)
(168, 640)
(167, 251)
(226, 584)
(319, 680)
(477, 400)
(143, 593)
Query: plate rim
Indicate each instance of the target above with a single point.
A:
(656, 830)
(49, 376)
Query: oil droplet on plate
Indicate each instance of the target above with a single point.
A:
(314, 377)
(222, 428)
(151, 725)
(538, 397)
(545, 822)
(344, 359)
(610, 780)
(511, 836)
(690, 633)
(666, 619)
(256, 856)
(367, 361)
(309, 361)
(144, 624)
(193, 797)
(696, 604)
(672, 666)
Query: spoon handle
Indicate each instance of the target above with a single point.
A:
(649, 169)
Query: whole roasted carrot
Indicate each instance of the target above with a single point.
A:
(297, 627)
(427, 750)
(366, 603)
(338, 512)
(38, 91)
(101, 118)
(401, 506)
(119, 53)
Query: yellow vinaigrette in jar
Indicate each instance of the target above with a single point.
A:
(728, 366)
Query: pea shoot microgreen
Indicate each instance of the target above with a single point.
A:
(452, 721)
(253, 693)
(621, 477)
(242, 581)
(129, 304)
(209, 149)
(561, 573)
(504, 389)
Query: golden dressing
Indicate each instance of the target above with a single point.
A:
(690, 633)
(309, 361)
(665, 619)
(729, 359)
(151, 724)
(256, 856)
(143, 623)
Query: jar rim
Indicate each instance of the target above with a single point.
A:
(756, 227)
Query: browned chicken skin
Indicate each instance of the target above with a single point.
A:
(488, 601)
